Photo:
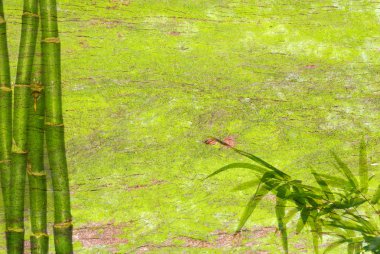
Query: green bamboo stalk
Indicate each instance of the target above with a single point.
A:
(5, 116)
(29, 28)
(36, 173)
(51, 79)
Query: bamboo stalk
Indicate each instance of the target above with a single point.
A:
(36, 173)
(20, 121)
(5, 116)
(51, 79)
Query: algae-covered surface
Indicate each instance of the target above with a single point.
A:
(145, 82)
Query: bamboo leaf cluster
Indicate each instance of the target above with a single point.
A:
(341, 206)
(34, 116)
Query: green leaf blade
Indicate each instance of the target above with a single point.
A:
(376, 197)
(324, 186)
(346, 171)
(246, 185)
(363, 167)
(280, 214)
(305, 212)
(238, 165)
(265, 186)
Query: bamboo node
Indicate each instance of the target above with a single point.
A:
(39, 235)
(51, 40)
(67, 224)
(30, 14)
(5, 161)
(36, 87)
(36, 92)
(5, 89)
(2, 20)
(16, 230)
(54, 124)
(21, 85)
(32, 173)
(16, 149)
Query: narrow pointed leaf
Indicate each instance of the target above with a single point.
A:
(363, 167)
(315, 237)
(303, 220)
(255, 159)
(334, 245)
(280, 215)
(350, 248)
(298, 197)
(282, 191)
(261, 191)
(346, 171)
(290, 214)
(324, 186)
(246, 185)
(336, 181)
(263, 163)
(316, 230)
(358, 247)
(354, 243)
(305, 197)
(376, 197)
(347, 225)
(372, 244)
(239, 165)
(362, 222)
(270, 180)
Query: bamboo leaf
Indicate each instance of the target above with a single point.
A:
(348, 226)
(347, 203)
(354, 243)
(346, 171)
(324, 186)
(290, 214)
(350, 248)
(310, 189)
(297, 196)
(306, 197)
(362, 222)
(261, 191)
(334, 245)
(315, 233)
(301, 197)
(335, 181)
(358, 247)
(255, 159)
(246, 185)
(305, 212)
(372, 244)
(363, 167)
(263, 163)
(282, 191)
(280, 214)
(239, 165)
(376, 197)
(357, 201)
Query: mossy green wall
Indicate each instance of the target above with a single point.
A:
(145, 82)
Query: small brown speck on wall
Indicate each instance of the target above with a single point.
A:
(230, 141)
(210, 141)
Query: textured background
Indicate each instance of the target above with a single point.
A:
(146, 81)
